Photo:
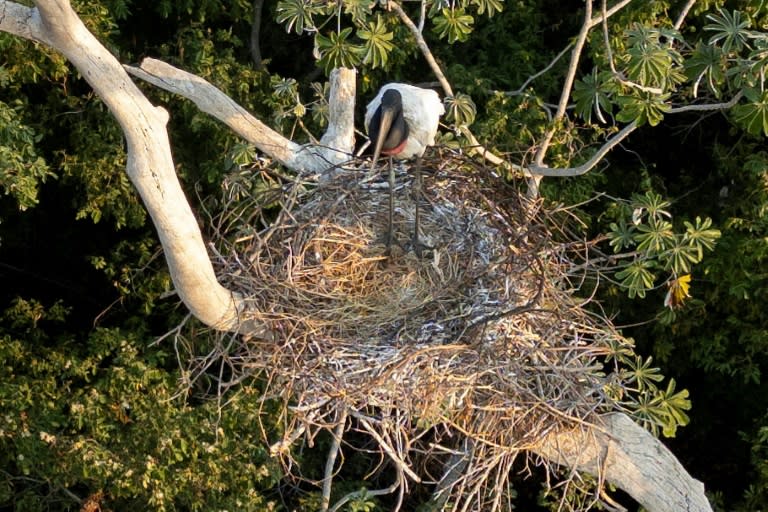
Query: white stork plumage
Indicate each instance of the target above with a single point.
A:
(401, 122)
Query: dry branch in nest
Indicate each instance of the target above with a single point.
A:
(478, 348)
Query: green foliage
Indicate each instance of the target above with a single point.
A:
(378, 43)
(461, 110)
(21, 169)
(706, 64)
(754, 115)
(296, 15)
(454, 25)
(490, 6)
(336, 50)
(655, 244)
(658, 409)
(643, 108)
(357, 33)
(730, 31)
(593, 93)
(651, 62)
(100, 419)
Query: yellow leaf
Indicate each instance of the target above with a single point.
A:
(678, 291)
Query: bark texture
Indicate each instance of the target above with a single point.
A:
(626, 455)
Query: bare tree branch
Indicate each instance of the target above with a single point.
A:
(629, 457)
(330, 461)
(540, 72)
(150, 165)
(610, 12)
(683, 13)
(22, 21)
(422, 44)
(255, 45)
(623, 134)
(476, 147)
(211, 100)
(570, 77)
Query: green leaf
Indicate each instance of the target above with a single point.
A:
(643, 374)
(636, 278)
(707, 63)
(359, 10)
(654, 237)
(286, 88)
(461, 109)
(701, 235)
(753, 116)
(453, 24)
(643, 108)
(621, 236)
(650, 62)
(680, 256)
(378, 43)
(674, 405)
(296, 15)
(730, 30)
(651, 204)
(242, 154)
(335, 51)
(593, 93)
(489, 6)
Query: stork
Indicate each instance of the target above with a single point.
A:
(401, 122)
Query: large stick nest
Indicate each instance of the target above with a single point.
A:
(480, 342)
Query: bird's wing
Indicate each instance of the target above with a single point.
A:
(422, 109)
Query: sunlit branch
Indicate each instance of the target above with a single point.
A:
(683, 14)
(620, 136)
(570, 77)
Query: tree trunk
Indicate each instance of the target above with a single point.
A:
(626, 455)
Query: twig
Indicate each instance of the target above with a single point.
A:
(610, 12)
(333, 452)
(543, 170)
(367, 492)
(422, 44)
(683, 14)
(570, 77)
(476, 147)
(399, 462)
(623, 134)
(255, 45)
(708, 107)
(541, 72)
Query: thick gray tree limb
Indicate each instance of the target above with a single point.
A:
(619, 451)
(624, 454)
(336, 145)
(150, 165)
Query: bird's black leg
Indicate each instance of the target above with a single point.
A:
(390, 225)
(417, 247)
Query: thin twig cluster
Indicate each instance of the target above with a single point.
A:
(453, 363)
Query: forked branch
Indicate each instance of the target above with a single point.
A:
(337, 143)
(150, 164)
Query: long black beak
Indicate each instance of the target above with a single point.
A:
(385, 124)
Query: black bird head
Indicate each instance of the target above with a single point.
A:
(388, 129)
